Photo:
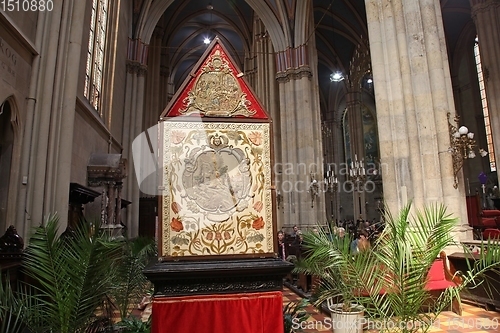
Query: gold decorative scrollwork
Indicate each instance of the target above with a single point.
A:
(216, 92)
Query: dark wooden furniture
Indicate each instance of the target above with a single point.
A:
(480, 219)
(11, 254)
(487, 294)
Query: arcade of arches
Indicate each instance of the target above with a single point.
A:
(79, 82)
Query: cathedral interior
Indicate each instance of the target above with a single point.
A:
(217, 129)
(367, 100)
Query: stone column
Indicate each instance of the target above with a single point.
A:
(357, 147)
(110, 185)
(260, 69)
(118, 211)
(165, 95)
(413, 95)
(485, 14)
(301, 153)
(47, 158)
(153, 101)
(133, 125)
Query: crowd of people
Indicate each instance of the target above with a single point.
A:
(362, 234)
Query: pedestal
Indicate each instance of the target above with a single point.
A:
(486, 294)
(243, 296)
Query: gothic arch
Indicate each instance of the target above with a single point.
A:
(9, 159)
(15, 120)
(152, 12)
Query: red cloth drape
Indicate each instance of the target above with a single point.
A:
(231, 313)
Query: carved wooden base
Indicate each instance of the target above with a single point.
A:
(217, 277)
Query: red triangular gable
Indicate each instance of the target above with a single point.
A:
(217, 89)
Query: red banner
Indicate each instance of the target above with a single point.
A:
(232, 313)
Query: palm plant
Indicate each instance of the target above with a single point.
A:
(134, 325)
(407, 248)
(390, 280)
(11, 313)
(131, 283)
(341, 273)
(294, 314)
(71, 274)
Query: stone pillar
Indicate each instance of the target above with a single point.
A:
(165, 94)
(47, 159)
(301, 148)
(110, 185)
(260, 69)
(133, 125)
(357, 144)
(153, 101)
(118, 208)
(413, 95)
(485, 14)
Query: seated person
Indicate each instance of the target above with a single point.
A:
(295, 231)
(282, 247)
(340, 232)
(296, 246)
(361, 243)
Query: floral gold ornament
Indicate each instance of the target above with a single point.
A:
(258, 223)
(258, 206)
(176, 207)
(218, 186)
(177, 137)
(216, 92)
(176, 225)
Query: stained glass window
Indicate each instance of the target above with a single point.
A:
(95, 54)
(484, 103)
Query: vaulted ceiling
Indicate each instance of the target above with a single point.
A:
(339, 25)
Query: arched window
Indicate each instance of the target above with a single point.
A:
(6, 145)
(95, 53)
(484, 104)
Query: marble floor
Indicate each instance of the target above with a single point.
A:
(473, 320)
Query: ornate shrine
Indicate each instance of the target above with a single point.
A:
(215, 148)
(216, 226)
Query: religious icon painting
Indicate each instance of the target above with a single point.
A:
(217, 183)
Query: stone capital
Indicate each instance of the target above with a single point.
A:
(294, 74)
(482, 6)
(134, 67)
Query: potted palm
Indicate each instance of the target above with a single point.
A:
(69, 278)
(131, 284)
(390, 280)
(294, 315)
(341, 275)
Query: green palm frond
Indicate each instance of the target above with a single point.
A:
(483, 272)
(11, 313)
(390, 280)
(131, 283)
(72, 274)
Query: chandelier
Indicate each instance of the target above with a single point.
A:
(331, 181)
(357, 171)
(462, 147)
